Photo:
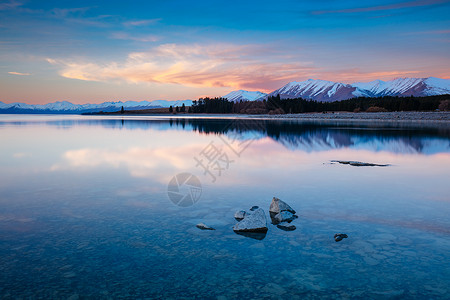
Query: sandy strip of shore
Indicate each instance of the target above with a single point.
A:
(387, 116)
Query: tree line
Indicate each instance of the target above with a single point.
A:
(276, 105)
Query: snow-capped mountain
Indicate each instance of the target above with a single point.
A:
(68, 107)
(237, 96)
(404, 87)
(321, 90)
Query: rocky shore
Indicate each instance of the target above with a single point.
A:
(385, 116)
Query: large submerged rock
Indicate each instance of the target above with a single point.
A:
(254, 222)
(278, 206)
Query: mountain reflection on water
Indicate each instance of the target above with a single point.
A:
(309, 136)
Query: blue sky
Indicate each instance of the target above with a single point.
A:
(95, 51)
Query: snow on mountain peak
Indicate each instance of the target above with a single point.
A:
(239, 95)
(404, 87)
(317, 89)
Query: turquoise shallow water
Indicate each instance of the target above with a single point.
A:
(84, 209)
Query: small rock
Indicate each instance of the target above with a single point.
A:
(255, 222)
(240, 215)
(339, 236)
(278, 206)
(284, 216)
(204, 227)
(254, 208)
(286, 227)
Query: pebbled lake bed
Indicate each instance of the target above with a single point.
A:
(85, 210)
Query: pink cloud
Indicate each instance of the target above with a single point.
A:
(219, 65)
(18, 73)
(382, 7)
(353, 75)
(141, 38)
(141, 22)
(231, 66)
(10, 5)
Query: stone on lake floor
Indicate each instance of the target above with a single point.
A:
(358, 163)
(254, 208)
(284, 216)
(240, 215)
(204, 227)
(286, 227)
(255, 222)
(278, 206)
(339, 236)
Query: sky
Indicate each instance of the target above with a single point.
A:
(96, 51)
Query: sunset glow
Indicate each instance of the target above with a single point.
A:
(91, 52)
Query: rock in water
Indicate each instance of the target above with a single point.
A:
(239, 215)
(254, 208)
(339, 236)
(278, 206)
(204, 227)
(284, 216)
(286, 227)
(358, 163)
(256, 222)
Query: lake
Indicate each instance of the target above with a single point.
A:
(95, 207)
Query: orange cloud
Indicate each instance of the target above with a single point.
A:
(18, 73)
(221, 65)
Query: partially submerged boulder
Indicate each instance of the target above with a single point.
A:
(278, 206)
(254, 208)
(204, 227)
(254, 222)
(240, 215)
(283, 216)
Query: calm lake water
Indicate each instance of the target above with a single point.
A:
(85, 210)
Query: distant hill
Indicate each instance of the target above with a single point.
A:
(65, 107)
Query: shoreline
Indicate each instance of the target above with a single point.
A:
(368, 116)
(441, 116)
(435, 116)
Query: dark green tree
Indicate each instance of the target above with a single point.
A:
(177, 109)
(171, 109)
(183, 108)
(122, 110)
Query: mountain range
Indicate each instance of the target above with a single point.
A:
(65, 107)
(327, 91)
(314, 89)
